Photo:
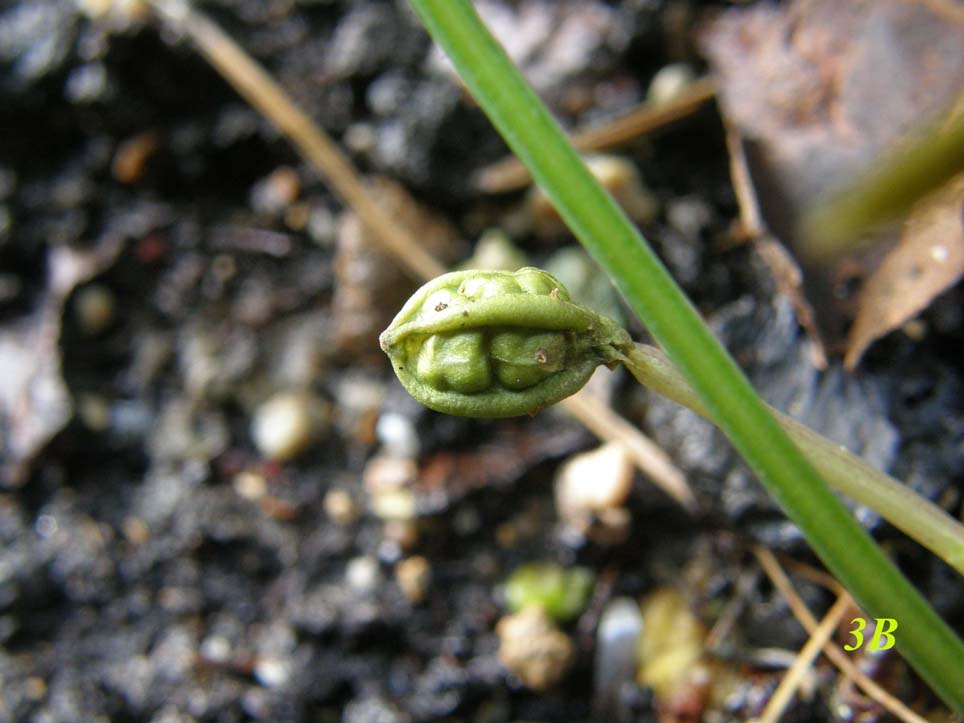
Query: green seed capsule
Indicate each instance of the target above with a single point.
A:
(497, 344)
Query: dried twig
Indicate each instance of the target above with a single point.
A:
(813, 574)
(728, 618)
(510, 175)
(780, 580)
(801, 665)
(783, 267)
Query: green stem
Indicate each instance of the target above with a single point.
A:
(845, 548)
(918, 518)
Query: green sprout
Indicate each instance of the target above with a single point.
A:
(561, 592)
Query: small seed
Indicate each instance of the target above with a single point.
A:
(413, 575)
(132, 156)
(250, 485)
(340, 506)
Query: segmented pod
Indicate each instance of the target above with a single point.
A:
(496, 343)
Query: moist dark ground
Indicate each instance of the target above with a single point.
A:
(137, 582)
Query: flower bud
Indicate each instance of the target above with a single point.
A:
(497, 344)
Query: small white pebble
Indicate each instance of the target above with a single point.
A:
(250, 485)
(272, 672)
(619, 176)
(669, 82)
(322, 227)
(495, 251)
(384, 472)
(358, 394)
(389, 552)
(396, 505)
(593, 482)
(689, 215)
(286, 424)
(216, 649)
(397, 434)
(617, 640)
(533, 648)
(362, 574)
(86, 83)
(388, 482)
(274, 193)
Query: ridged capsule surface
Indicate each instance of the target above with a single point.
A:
(496, 343)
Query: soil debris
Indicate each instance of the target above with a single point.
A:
(926, 262)
(818, 90)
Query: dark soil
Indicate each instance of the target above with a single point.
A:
(154, 568)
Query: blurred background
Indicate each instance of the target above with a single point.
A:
(218, 504)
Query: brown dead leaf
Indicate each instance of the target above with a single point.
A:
(34, 401)
(818, 90)
(928, 260)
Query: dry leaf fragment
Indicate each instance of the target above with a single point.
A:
(785, 270)
(34, 401)
(819, 90)
(928, 260)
